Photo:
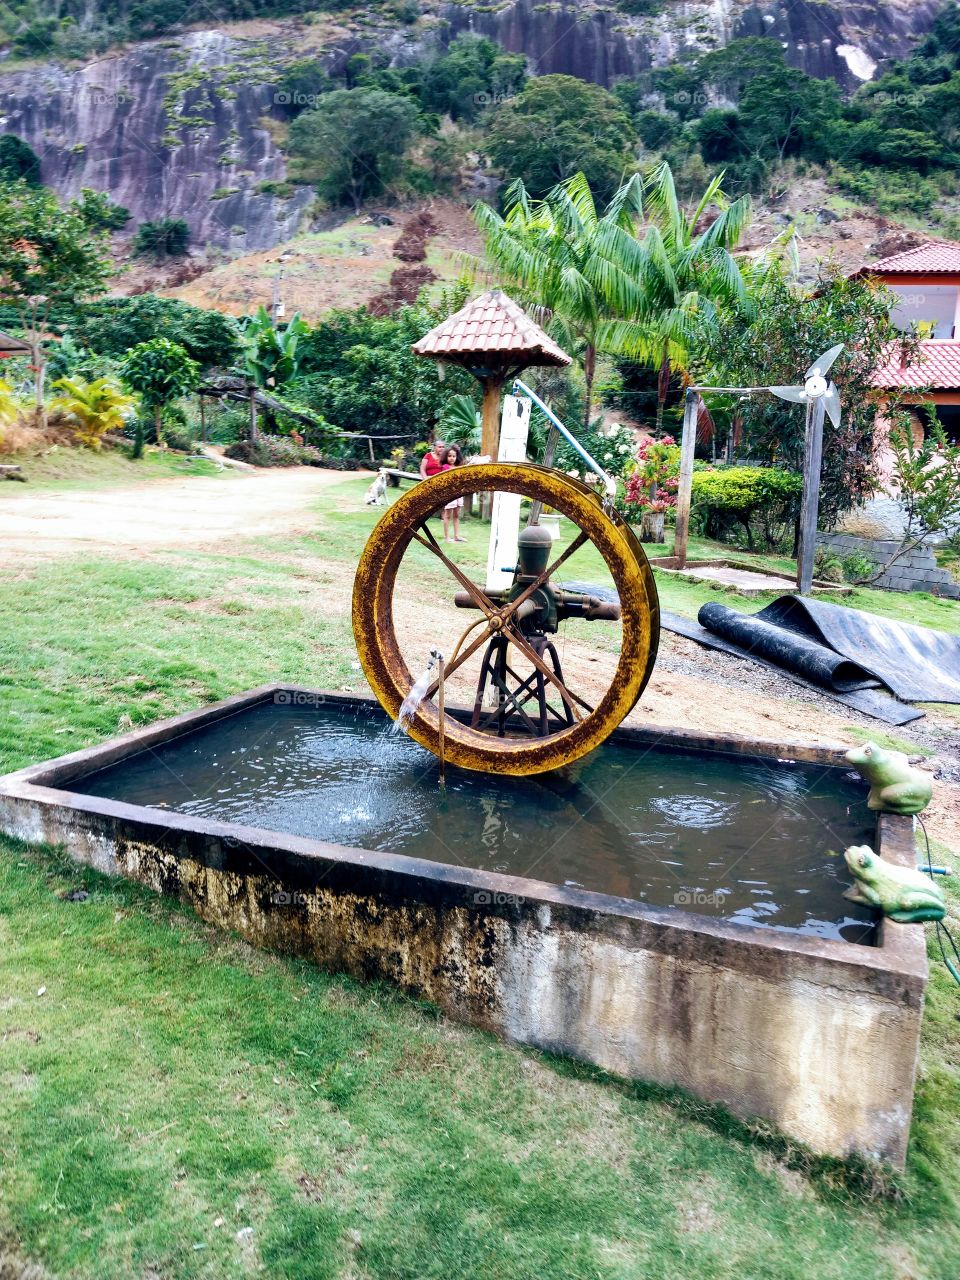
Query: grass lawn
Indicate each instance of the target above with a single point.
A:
(67, 469)
(176, 1104)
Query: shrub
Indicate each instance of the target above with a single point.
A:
(768, 497)
(95, 407)
(274, 451)
(165, 238)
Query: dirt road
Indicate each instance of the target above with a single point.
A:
(195, 511)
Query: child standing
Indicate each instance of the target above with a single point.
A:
(452, 458)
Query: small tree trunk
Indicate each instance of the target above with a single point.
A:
(158, 423)
(39, 375)
(589, 373)
(663, 386)
(253, 415)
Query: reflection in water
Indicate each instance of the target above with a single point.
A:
(740, 839)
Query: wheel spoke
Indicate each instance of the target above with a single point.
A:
(528, 651)
(458, 661)
(482, 601)
(550, 570)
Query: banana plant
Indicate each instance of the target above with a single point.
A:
(269, 355)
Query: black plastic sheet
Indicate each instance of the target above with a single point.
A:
(845, 649)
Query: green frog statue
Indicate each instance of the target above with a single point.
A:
(895, 785)
(902, 893)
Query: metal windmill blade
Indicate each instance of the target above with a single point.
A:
(816, 387)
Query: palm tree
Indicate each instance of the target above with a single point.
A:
(687, 275)
(574, 264)
(96, 407)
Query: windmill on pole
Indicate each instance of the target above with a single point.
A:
(822, 399)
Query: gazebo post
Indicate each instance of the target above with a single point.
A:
(495, 340)
(490, 415)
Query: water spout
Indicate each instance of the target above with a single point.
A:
(411, 703)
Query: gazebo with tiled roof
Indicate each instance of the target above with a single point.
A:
(495, 340)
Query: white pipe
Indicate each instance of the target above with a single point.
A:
(608, 481)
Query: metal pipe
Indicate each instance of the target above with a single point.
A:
(608, 481)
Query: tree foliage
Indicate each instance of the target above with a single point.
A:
(353, 148)
(109, 327)
(161, 239)
(358, 371)
(558, 126)
(18, 161)
(789, 328)
(96, 407)
(158, 371)
(49, 256)
(269, 354)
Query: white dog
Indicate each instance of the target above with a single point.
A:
(377, 493)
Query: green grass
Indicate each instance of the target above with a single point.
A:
(173, 1087)
(66, 469)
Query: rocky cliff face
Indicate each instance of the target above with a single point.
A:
(182, 128)
(169, 129)
(827, 38)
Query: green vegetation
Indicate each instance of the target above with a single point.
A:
(324, 1125)
(353, 147)
(49, 255)
(789, 327)
(165, 238)
(96, 407)
(893, 144)
(159, 371)
(18, 162)
(763, 499)
(558, 126)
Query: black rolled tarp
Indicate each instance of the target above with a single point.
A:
(788, 649)
(845, 649)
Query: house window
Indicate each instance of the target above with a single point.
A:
(930, 310)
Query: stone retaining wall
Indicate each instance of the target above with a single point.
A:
(915, 571)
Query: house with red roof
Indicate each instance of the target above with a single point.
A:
(926, 282)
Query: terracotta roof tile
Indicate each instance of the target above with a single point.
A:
(491, 324)
(937, 366)
(933, 257)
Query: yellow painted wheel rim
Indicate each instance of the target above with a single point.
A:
(388, 674)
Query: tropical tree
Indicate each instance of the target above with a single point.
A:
(49, 256)
(578, 265)
(558, 126)
(163, 238)
(9, 408)
(159, 371)
(96, 407)
(269, 355)
(687, 278)
(353, 146)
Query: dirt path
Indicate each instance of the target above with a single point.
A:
(197, 511)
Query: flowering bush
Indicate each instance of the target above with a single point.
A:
(652, 485)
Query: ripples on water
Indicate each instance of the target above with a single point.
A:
(744, 840)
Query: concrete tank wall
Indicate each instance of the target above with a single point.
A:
(819, 1037)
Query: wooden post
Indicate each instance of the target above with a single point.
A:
(553, 435)
(688, 444)
(812, 458)
(490, 419)
(253, 413)
(203, 419)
